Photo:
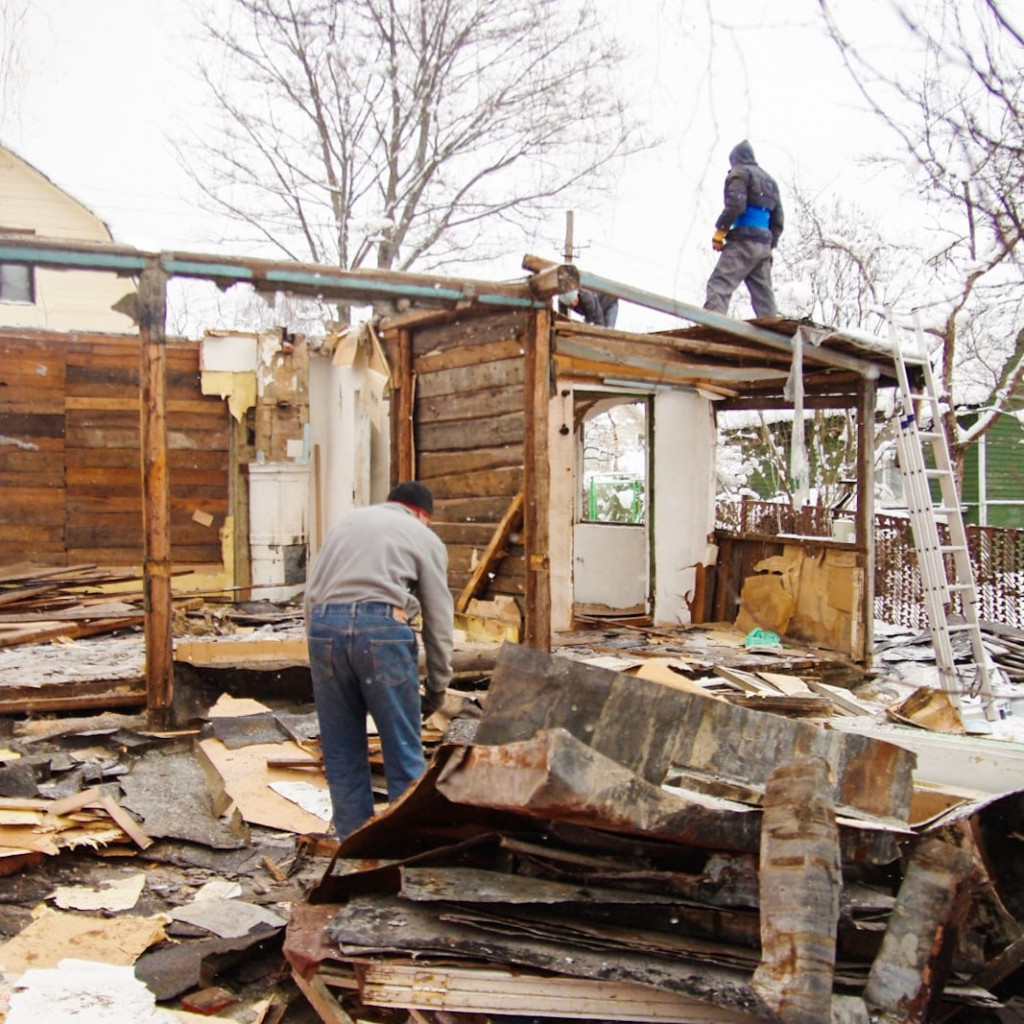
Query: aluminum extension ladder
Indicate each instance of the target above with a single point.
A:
(940, 587)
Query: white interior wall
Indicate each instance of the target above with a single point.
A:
(683, 500)
(348, 472)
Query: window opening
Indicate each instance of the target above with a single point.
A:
(17, 283)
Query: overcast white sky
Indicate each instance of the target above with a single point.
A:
(103, 83)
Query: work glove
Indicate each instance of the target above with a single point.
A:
(718, 241)
(431, 701)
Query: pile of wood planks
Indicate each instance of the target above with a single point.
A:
(40, 603)
(546, 868)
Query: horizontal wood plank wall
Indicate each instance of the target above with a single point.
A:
(468, 428)
(31, 450)
(83, 502)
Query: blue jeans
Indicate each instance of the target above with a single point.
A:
(363, 661)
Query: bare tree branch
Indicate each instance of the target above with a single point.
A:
(405, 132)
(958, 110)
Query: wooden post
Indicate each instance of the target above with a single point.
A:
(800, 879)
(865, 526)
(156, 565)
(403, 459)
(913, 963)
(537, 482)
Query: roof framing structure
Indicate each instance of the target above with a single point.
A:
(739, 363)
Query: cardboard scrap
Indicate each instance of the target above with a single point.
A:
(120, 894)
(247, 776)
(53, 934)
(236, 707)
(765, 602)
(660, 670)
(928, 708)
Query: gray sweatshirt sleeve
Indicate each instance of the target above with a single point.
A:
(438, 615)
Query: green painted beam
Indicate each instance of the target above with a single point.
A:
(327, 282)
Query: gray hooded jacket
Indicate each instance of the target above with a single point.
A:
(748, 186)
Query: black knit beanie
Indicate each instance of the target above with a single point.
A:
(412, 492)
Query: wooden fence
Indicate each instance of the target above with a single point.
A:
(997, 556)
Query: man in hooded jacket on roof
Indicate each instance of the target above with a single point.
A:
(746, 232)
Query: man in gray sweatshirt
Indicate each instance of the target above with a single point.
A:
(378, 568)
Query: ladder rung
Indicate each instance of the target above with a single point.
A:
(961, 586)
(928, 435)
(962, 627)
(936, 473)
(949, 549)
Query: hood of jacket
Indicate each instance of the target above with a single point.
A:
(743, 153)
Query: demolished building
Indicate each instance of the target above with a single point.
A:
(563, 793)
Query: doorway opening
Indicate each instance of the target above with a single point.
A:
(611, 541)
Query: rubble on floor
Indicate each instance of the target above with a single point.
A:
(700, 862)
(606, 833)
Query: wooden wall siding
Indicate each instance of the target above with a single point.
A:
(31, 451)
(70, 461)
(468, 428)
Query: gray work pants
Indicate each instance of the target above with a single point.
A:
(746, 261)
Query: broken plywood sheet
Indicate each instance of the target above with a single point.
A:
(229, 652)
(85, 672)
(494, 621)
(555, 775)
(247, 779)
(531, 691)
(53, 935)
(44, 826)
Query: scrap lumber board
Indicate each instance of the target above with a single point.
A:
(492, 991)
(36, 632)
(510, 521)
(390, 924)
(328, 1008)
(232, 653)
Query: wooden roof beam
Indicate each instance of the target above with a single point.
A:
(737, 328)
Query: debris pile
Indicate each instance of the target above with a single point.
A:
(38, 604)
(614, 848)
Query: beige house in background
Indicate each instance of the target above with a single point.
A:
(58, 300)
